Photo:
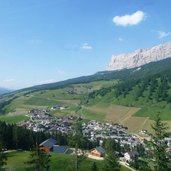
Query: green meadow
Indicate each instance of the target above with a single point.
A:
(13, 119)
(59, 162)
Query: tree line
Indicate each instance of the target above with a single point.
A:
(16, 137)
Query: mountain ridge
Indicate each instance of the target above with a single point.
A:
(105, 75)
(140, 57)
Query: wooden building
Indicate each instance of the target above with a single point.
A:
(47, 145)
(97, 152)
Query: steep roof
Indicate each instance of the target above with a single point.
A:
(62, 149)
(59, 149)
(100, 149)
(48, 143)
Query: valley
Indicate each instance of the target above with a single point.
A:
(135, 106)
(85, 85)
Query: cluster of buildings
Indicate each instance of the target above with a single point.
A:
(41, 120)
(95, 130)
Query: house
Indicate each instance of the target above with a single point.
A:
(57, 107)
(98, 151)
(130, 156)
(61, 149)
(47, 145)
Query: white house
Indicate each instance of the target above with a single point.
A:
(130, 156)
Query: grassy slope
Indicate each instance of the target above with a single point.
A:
(149, 108)
(69, 96)
(59, 162)
(13, 119)
(136, 118)
(105, 108)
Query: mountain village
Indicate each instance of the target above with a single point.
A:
(41, 121)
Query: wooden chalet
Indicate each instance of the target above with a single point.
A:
(47, 145)
(97, 152)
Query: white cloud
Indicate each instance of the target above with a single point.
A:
(162, 34)
(128, 19)
(86, 46)
(120, 39)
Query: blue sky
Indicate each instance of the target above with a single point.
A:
(45, 41)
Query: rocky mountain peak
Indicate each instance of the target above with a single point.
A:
(140, 57)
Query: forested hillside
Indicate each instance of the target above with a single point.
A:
(151, 92)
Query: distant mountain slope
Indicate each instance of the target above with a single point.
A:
(131, 97)
(4, 90)
(145, 70)
(140, 57)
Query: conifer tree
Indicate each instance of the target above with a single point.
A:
(94, 167)
(77, 140)
(39, 160)
(159, 147)
(111, 156)
(3, 157)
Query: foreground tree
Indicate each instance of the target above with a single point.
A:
(3, 157)
(79, 142)
(94, 167)
(140, 164)
(159, 147)
(143, 165)
(39, 160)
(111, 157)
